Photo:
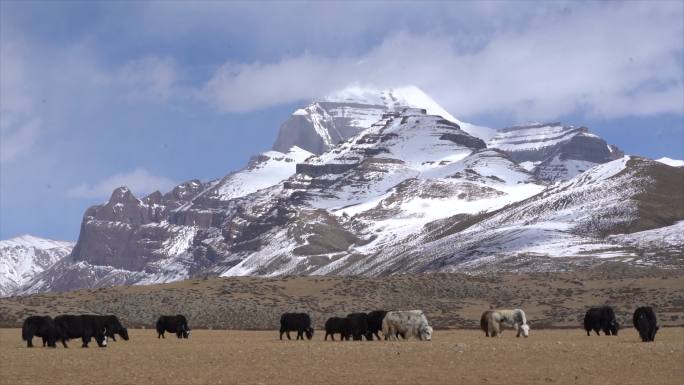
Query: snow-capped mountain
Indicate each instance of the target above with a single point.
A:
(553, 151)
(322, 124)
(380, 182)
(24, 257)
(379, 189)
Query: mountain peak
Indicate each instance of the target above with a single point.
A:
(391, 98)
(27, 240)
(340, 115)
(121, 195)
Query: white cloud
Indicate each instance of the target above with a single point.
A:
(39, 102)
(606, 59)
(244, 87)
(19, 127)
(150, 78)
(140, 181)
(17, 139)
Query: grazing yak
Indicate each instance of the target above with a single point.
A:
(336, 325)
(299, 322)
(84, 326)
(357, 324)
(601, 318)
(409, 323)
(515, 318)
(113, 326)
(40, 326)
(645, 323)
(375, 322)
(177, 324)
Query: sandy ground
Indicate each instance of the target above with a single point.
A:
(249, 357)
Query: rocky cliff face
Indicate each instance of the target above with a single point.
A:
(553, 151)
(374, 185)
(157, 238)
(321, 125)
(113, 232)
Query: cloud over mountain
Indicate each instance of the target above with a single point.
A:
(608, 60)
(139, 180)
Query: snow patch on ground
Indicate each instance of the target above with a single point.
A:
(668, 237)
(606, 170)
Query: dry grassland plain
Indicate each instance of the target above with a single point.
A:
(258, 357)
(450, 301)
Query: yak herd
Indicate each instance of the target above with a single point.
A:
(355, 326)
(87, 326)
(603, 319)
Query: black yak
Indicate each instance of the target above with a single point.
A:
(113, 326)
(601, 318)
(336, 325)
(177, 324)
(40, 326)
(299, 322)
(645, 323)
(375, 322)
(84, 327)
(357, 324)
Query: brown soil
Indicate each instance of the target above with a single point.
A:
(253, 357)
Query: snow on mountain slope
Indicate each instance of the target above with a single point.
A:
(24, 257)
(409, 96)
(382, 187)
(263, 171)
(667, 239)
(484, 181)
(533, 137)
(403, 145)
(142, 241)
(573, 205)
(671, 162)
(343, 114)
(66, 275)
(553, 151)
(570, 219)
(391, 189)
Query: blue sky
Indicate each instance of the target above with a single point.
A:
(149, 94)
